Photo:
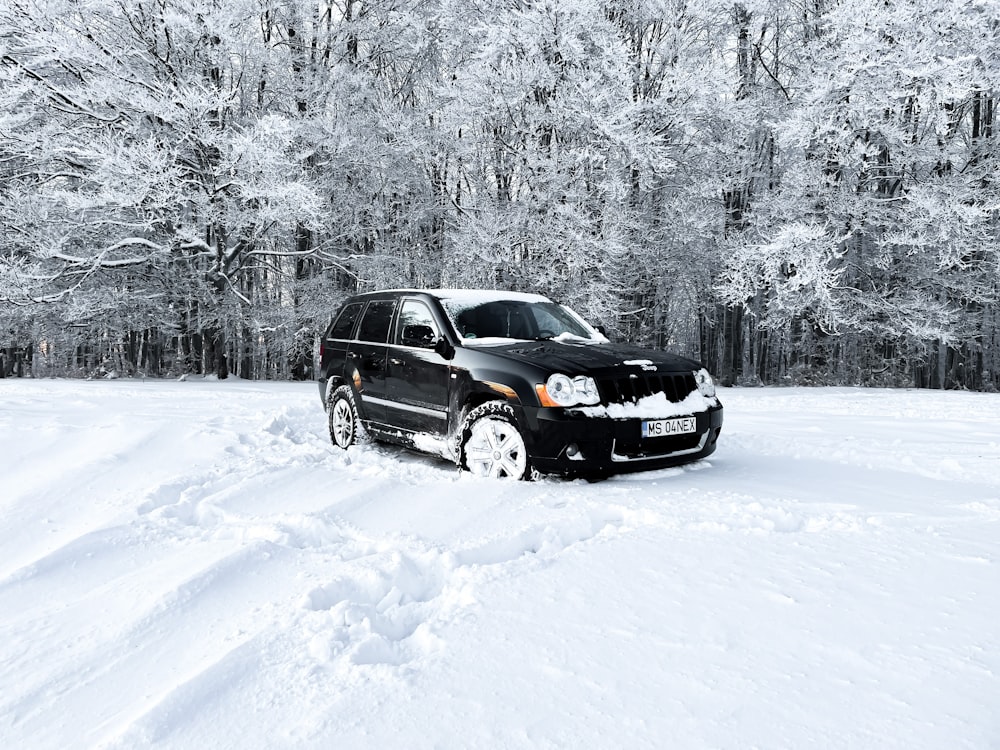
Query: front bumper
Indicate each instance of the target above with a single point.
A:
(562, 442)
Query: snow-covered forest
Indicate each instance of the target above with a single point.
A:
(789, 190)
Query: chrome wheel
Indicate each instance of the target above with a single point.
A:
(343, 418)
(495, 449)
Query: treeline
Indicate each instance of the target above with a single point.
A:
(791, 191)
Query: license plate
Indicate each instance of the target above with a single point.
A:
(652, 428)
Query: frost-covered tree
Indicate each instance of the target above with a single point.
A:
(151, 175)
(535, 111)
(784, 190)
(884, 185)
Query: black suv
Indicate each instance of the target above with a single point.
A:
(508, 385)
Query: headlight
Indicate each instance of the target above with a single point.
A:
(706, 386)
(562, 390)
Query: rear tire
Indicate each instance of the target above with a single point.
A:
(342, 416)
(492, 445)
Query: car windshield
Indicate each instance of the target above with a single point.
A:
(533, 319)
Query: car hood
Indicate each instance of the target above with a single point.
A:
(575, 358)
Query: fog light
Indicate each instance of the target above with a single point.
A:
(573, 452)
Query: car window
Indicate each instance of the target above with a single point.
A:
(547, 322)
(414, 313)
(345, 321)
(517, 319)
(376, 321)
(558, 320)
(494, 320)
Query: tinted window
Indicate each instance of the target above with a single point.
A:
(414, 313)
(375, 323)
(515, 319)
(345, 322)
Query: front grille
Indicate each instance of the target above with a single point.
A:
(630, 388)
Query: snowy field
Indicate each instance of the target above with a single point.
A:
(192, 565)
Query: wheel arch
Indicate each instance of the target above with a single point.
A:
(332, 383)
(336, 381)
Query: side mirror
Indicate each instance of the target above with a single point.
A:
(444, 349)
(419, 335)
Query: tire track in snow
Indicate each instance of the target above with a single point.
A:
(220, 517)
(199, 611)
(157, 545)
(388, 608)
(320, 595)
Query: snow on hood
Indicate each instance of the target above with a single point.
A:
(577, 357)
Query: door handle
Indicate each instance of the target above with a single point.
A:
(395, 361)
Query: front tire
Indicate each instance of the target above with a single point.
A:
(345, 427)
(492, 445)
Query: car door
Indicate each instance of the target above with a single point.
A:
(418, 376)
(368, 356)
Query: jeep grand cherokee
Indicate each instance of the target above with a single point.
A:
(509, 385)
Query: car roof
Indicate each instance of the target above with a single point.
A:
(464, 296)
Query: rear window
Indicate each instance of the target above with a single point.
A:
(345, 322)
(375, 323)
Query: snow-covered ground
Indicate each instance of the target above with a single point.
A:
(192, 565)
